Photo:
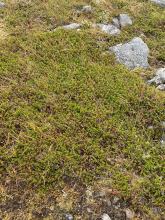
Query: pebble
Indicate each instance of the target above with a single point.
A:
(72, 26)
(129, 214)
(115, 200)
(105, 217)
(159, 77)
(163, 125)
(87, 9)
(161, 87)
(68, 217)
(2, 4)
(122, 21)
(163, 140)
(109, 29)
(115, 21)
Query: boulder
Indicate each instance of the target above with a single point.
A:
(132, 54)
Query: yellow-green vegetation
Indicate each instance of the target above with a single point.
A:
(70, 116)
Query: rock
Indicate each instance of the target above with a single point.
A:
(163, 125)
(132, 54)
(159, 77)
(2, 4)
(161, 87)
(150, 127)
(109, 29)
(159, 2)
(68, 217)
(105, 217)
(89, 210)
(163, 140)
(87, 9)
(115, 200)
(115, 21)
(72, 26)
(129, 214)
(122, 20)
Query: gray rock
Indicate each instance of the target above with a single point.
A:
(163, 125)
(161, 87)
(124, 20)
(115, 21)
(87, 9)
(163, 140)
(132, 54)
(72, 26)
(68, 217)
(109, 29)
(105, 217)
(159, 77)
(159, 2)
(129, 214)
(2, 4)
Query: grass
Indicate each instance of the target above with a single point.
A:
(69, 115)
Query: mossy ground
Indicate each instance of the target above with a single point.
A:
(70, 116)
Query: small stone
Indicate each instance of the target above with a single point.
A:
(115, 21)
(89, 210)
(68, 217)
(163, 140)
(2, 4)
(163, 125)
(105, 217)
(52, 208)
(115, 200)
(161, 87)
(109, 29)
(159, 2)
(150, 127)
(159, 77)
(132, 54)
(129, 214)
(72, 26)
(124, 20)
(109, 203)
(87, 9)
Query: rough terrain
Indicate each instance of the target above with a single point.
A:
(82, 109)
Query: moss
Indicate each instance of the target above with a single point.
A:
(68, 111)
